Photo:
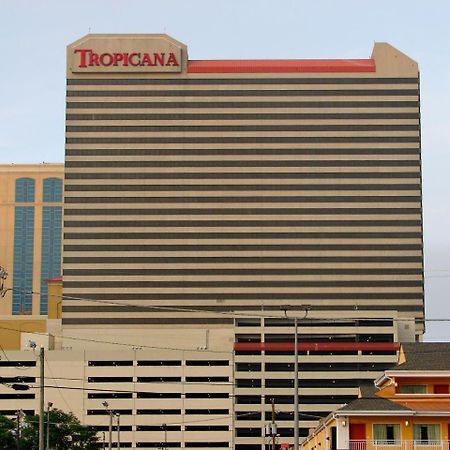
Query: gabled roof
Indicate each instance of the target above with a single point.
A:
(429, 356)
(370, 402)
(373, 404)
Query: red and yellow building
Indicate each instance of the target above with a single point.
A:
(407, 408)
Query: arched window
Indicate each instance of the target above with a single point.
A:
(25, 190)
(52, 190)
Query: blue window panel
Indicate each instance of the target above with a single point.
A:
(25, 190)
(52, 190)
(23, 260)
(51, 249)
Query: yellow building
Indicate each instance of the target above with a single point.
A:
(408, 407)
(16, 331)
(30, 226)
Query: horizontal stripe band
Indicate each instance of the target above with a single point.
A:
(239, 259)
(240, 187)
(246, 93)
(242, 104)
(136, 308)
(241, 139)
(253, 199)
(297, 296)
(243, 163)
(234, 81)
(173, 284)
(244, 235)
(273, 271)
(243, 116)
(238, 175)
(230, 247)
(240, 223)
(238, 211)
(239, 151)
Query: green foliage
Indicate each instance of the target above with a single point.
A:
(7, 428)
(66, 433)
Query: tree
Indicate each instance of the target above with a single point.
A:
(7, 429)
(66, 433)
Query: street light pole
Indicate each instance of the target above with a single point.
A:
(296, 421)
(19, 415)
(118, 430)
(110, 411)
(41, 399)
(49, 405)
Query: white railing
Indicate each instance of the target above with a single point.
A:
(398, 445)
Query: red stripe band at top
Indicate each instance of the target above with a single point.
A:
(317, 346)
(281, 66)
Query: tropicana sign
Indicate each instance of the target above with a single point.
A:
(89, 58)
(116, 53)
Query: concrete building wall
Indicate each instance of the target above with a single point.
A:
(203, 197)
(235, 184)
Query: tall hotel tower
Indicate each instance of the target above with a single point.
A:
(208, 203)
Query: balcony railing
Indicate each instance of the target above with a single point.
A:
(399, 445)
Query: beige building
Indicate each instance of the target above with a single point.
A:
(205, 197)
(31, 230)
(207, 203)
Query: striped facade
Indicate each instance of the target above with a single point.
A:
(202, 204)
(206, 189)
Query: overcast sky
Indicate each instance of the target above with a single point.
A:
(34, 35)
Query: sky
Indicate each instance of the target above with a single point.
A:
(34, 35)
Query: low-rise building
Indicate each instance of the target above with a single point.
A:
(407, 408)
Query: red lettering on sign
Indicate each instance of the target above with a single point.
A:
(93, 59)
(146, 60)
(134, 59)
(117, 57)
(159, 58)
(89, 58)
(106, 59)
(172, 61)
(82, 52)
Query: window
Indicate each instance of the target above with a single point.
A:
(386, 433)
(413, 389)
(23, 256)
(51, 249)
(110, 363)
(426, 433)
(440, 389)
(52, 191)
(209, 362)
(159, 363)
(25, 190)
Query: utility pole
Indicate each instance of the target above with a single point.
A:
(164, 426)
(49, 405)
(41, 399)
(110, 429)
(118, 430)
(273, 428)
(19, 415)
(111, 413)
(296, 422)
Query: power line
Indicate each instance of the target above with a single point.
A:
(235, 314)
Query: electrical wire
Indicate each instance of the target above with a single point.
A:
(54, 379)
(234, 314)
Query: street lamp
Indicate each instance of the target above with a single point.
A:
(296, 416)
(118, 430)
(49, 406)
(164, 427)
(106, 405)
